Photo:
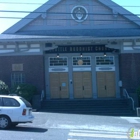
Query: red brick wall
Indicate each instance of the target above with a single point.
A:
(130, 71)
(33, 68)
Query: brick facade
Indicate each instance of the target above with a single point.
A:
(33, 68)
(130, 71)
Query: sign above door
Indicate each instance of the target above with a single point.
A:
(81, 49)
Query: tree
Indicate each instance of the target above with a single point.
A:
(4, 90)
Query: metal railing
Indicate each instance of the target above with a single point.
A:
(126, 95)
(42, 95)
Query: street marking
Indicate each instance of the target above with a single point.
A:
(73, 139)
(98, 135)
(131, 119)
(90, 131)
(91, 127)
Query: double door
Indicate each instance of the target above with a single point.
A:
(59, 85)
(106, 84)
(82, 84)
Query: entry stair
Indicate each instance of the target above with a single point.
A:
(119, 107)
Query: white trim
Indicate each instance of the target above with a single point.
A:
(1, 46)
(11, 46)
(82, 69)
(6, 51)
(137, 43)
(131, 48)
(105, 68)
(35, 45)
(127, 43)
(30, 50)
(60, 69)
(22, 46)
(127, 48)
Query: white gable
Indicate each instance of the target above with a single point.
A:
(58, 17)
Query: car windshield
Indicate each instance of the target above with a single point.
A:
(26, 102)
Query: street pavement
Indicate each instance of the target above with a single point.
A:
(60, 126)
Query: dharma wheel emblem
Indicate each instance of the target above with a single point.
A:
(80, 62)
(79, 13)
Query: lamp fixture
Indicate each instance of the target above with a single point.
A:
(57, 55)
(81, 55)
(104, 54)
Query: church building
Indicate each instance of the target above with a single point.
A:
(74, 49)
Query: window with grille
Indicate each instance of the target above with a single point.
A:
(105, 60)
(82, 61)
(61, 61)
(17, 78)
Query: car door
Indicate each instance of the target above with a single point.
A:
(11, 107)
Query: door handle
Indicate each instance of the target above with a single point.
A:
(105, 87)
(60, 88)
(83, 88)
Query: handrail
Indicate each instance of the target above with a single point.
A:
(125, 94)
(42, 95)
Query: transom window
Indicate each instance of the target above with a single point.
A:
(82, 61)
(17, 78)
(58, 61)
(105, 60)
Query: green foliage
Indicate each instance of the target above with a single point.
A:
(24, 90)
(4, 90)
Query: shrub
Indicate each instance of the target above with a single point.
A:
(24, 90)
(4, 90)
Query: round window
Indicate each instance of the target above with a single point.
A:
(79, 13)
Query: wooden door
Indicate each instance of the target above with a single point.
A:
(82, 84)
(106, 84)
(87, 86)
(110, 84)
(78, 84)
(64, 89)
(101, 84)
(54, 85)
(59, 85)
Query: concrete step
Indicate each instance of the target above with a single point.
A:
(101, 107)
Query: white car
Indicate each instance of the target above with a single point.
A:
(14, 110)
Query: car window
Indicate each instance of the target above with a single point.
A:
(10, 102)
(26, 102)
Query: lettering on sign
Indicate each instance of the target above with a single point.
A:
(17, 67)
(81, 49)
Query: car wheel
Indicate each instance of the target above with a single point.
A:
(5, 122)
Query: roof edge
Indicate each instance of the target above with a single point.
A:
(30, 17)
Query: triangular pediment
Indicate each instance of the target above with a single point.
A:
(75, 15)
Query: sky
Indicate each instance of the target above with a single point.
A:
(131, 5)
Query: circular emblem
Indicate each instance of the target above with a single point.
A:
(79, 13)
(80, 62)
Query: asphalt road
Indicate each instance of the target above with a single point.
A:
(57, 126)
